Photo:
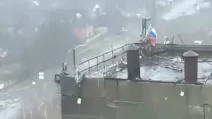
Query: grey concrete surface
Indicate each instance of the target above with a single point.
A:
(126, 99)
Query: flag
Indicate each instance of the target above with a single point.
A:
(153, 36)
(3, 53)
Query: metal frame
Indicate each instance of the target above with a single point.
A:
(108, 88)
(176, 49)
(113, 55)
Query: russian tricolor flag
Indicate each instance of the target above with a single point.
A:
(153, 36)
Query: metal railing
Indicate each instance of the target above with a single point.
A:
(102, 61)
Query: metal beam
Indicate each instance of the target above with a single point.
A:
(181, 47)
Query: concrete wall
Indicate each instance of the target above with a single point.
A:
(135, 100)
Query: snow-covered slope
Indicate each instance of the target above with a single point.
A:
(186, 7)
(9, 108)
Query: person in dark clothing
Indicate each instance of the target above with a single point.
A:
(145, 20)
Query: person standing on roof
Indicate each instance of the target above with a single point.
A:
(145, 21)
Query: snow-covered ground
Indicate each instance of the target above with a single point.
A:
(185, 7)
(29, 99)
(9, 108)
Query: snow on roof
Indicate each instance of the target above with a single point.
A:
(36, 3)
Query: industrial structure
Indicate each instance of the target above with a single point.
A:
(95, 91)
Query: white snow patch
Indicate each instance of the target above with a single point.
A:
(184, 8)
(97, 6)
(198, 42)
(36, 3)
(209, 33)
(79, 101)
(41, 75)
(2, 86)
(204, 69)
(33, 83)
(158, 73)
(78, 15)
(182, 93)
(9, 108)
(187, 7)
(162, 3)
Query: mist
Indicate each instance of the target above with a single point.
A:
(38, 35)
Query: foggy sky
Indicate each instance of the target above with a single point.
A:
(27, 23)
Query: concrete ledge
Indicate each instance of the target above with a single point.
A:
(122, 99)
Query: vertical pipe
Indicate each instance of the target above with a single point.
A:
(24, 114)
(74, 58)
(112, 50)
(85, 31)
(31, 114)
(97, 64)
(89, 70)
(112, 56)
(4, 91)
(204, 117)
(103, 62)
